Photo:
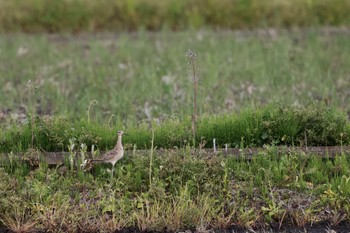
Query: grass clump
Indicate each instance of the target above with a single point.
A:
(309, 125)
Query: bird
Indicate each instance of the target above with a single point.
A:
(115, 154)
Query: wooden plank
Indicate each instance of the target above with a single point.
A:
(58, 157)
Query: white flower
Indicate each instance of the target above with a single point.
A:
(84, 163)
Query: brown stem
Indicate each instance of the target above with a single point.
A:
(194, 126)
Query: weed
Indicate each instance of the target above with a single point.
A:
(18, 220)
(186, 192)
(92, 102)
(31, 93)
(191, 57)
(151, 160)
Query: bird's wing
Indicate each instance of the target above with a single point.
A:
(109, 154)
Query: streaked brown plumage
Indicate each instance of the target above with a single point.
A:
(115, 154)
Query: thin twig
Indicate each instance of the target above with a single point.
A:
(191, 57)
(151, 159)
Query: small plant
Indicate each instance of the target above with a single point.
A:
(31, 87)
(151, 159)
(110, 119)
(18, 220)
(94, 152)
(83, 160)
(71, 156)
(92, 103)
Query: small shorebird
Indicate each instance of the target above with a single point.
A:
(115, 154)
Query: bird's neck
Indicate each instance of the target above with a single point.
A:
(119, 143)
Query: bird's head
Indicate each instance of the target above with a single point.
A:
(120, 133)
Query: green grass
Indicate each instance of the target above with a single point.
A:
(185, 192)
(117, 15)
(254, 89)
(311, 125)
(142, 76)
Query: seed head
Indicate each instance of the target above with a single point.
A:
(191, 55)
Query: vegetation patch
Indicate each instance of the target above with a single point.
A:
(177, 192)
(122, 79)
(312, 125)
(116, 15)
(78, 97)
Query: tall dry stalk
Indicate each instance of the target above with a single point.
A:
(31, 94)
(151, 159)
(191, 57)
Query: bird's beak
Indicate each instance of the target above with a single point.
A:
(125, 134)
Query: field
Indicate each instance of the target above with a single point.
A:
(263, 85)
(145, 75)
(259, 88)
(130, 15)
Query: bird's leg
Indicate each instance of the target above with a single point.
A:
(112, 171)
